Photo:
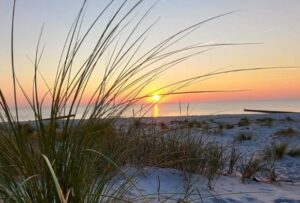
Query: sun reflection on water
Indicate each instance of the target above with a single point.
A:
(155, 111)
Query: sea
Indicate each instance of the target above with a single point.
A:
(190, 109)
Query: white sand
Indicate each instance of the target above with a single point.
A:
(168, 184)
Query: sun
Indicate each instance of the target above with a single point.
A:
(156, 98)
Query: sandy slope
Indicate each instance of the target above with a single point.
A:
(168, 184)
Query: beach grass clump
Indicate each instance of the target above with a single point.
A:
(177, 149)
(163, 125)
(276, 150)
(265, 121)
(215, 163)
(205, 126)
(233, 158)
(289, 132)
(249, 167)
(77, 160)
(243, 137)
(289, 119)
(172, 149)
(74, 157)
(244, 122)
(26, 128)
(294, 152)
(191, 124)
(198, 124)
(225, 126)
(269, 169)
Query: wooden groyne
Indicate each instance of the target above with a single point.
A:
(267, 111)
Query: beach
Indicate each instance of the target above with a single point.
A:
(150, 101)
(264, 130)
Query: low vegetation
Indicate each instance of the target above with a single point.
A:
(265, 122)
(244, 122)
(294, 152)
(269, 169)
(75, 158)
(233, 158)
(225, 126)
(243, 137)
(249, 167)
(276, 150)
(289, 132)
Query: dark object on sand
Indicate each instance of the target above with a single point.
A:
(267, 111)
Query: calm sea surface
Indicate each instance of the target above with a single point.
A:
(196, 108)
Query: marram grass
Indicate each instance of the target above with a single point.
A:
(75, 158)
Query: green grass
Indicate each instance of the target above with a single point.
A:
(233, 158)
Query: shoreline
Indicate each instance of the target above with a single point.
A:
(295, 116)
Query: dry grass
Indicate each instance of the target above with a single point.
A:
(289, 132)
(74, 159)
(250, 167)
(243, 137)
(265, 122)
(244, 122)
(276, 150)
(295, 152)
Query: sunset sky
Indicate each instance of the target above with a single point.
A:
(274, 24)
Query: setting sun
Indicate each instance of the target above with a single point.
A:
(156, 98)
(150, 101)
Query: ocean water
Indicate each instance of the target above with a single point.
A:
(228, 107)
(194, 108)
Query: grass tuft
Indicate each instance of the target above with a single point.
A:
(295, 152)
(52, 161)
(234, 158)
(276, 150)
(289, 132)
(250, 167)
(269, 169)
(243, 137)
(265, 122)
(244, 122)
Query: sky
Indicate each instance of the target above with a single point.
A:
(272, 24)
